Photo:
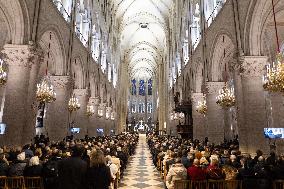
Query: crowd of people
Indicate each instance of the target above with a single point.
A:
(200, 161)
(90, 163)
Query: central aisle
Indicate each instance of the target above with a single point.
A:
(141, 173)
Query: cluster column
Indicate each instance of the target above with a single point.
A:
(254, 106)
(81, 116)
(19, 60)
(199, 127)
(93, 120)
(57, 120)
(215, 114)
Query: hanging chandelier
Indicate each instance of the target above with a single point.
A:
(274, 76)
(112, 116)
(201, 107)
(181, 115)
(73, 104)
(3, 74)
(226, 97)
(172, 116)
(100, 111)
(90, 110)
(45, 92)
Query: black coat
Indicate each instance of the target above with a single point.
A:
(33, 171)
(17, 168)
(72, 172)
(4, 167)
(98, 177)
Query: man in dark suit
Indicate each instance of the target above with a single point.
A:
(72, 171)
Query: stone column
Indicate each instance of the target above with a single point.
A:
(29, 129)
(81, 120)
(251, 133)
(57, 114)
(93, 120)
(199, 127)
(215, 114)
(102, 120)
(18, 58)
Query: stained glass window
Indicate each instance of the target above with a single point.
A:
(142, 88)
(133, 87)
(150, 85)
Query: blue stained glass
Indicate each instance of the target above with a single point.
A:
(150, 85)
(133, 87)
(142, 88)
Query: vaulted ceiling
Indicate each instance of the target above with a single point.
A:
(143, 29)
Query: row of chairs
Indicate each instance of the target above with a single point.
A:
(21, 183)
(220, 184)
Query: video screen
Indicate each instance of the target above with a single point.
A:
(75, 130)
(100, 130)
(2, 128)
(274, 133)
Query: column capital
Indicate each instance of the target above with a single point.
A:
(22, 55)
(61, 81)
(81, 92)
(213, 87)
(94, 101)
(195, 97)
(253, 66)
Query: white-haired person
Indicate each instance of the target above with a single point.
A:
(18, 166)
(176, 172)
(113, 170)
(213, 171)
(34, 169)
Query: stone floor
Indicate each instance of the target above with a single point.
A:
(141, 173)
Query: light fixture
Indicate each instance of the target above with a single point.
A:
(172, 116)
(274, 77)
(107, 115)
(90, 110)
(181, 115)
(3, 74)
(201, 106)
(176, 116)
(100, 111)
(226, 97)
(73, 104)
(45, 92)
(112, 117)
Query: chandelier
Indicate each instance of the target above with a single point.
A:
(45, 92)
(90, 110)
(100, 111)
(73, 104)
(112, 116)
(3, 74)
(226, 97)
(274, 77)
(201, 107)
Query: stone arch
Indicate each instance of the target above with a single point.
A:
(57, 53)
(77, 72)
(222, 52)
(17, 20)
(258, 19)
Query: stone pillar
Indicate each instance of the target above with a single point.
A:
(102, 120)
(57, 114)
(93, 120)
(199, 127)
(215, 114)
(15, 113)
(29, 129)
(81, 120)
(108, 122)
(251, 133)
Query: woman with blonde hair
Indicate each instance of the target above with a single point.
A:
(98, 174)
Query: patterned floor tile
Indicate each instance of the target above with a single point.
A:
(141, 173)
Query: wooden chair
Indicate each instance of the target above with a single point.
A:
(202, 184)
(182, 184)
(3, 182)
(216, 184)
(233, 184)
(34, 183)
(16, 182)
(278, 184)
